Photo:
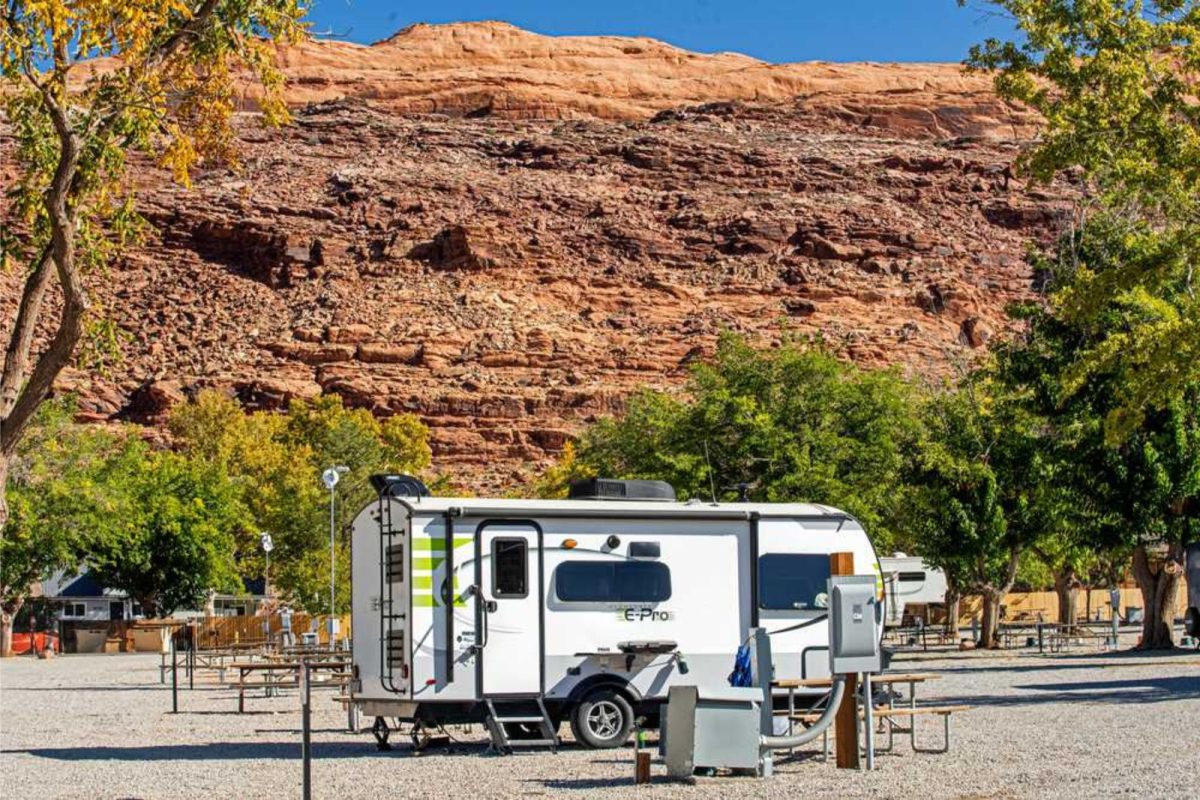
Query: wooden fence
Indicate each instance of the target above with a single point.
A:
(219, 631)
(1027, 605)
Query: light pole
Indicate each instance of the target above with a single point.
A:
(268, 545)
(330, 478)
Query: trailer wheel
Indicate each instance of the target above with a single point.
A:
(603, 719)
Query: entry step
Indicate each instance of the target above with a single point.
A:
(496, 723)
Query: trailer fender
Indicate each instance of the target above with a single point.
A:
(591, 682)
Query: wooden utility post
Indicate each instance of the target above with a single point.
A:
(845, 725)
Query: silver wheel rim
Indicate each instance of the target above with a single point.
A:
(604, 719)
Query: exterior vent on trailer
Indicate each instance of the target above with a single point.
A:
(609, 489)
(395, 563)
(397, 655)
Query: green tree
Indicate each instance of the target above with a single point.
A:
(983, 493)
(60, 502)
(795, 423)
(1149, 499)
(1138, 493)
(170, 92)
(277, 460)
(1070, 559)
(1116, 83)
(555, 481)
(176, 538)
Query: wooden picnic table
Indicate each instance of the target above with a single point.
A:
(1058, 635)
(885, 712)
(307, 655)
(277, 674)
(882, 678)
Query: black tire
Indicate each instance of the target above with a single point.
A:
(602, 720)
(1191, 621)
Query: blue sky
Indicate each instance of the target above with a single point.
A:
(774, 30)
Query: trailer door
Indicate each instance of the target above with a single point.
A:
(510, 608)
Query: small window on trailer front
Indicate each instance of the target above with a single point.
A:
(912, 577)
(510, 568)
(793, 581)
(612, 582)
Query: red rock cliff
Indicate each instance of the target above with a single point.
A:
(506, 233)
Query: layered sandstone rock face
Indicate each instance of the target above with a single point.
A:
(506, 233)
(493, 69)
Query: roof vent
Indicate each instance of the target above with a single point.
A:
(399, 486)
(609, 489)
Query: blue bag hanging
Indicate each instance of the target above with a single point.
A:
(742, 675)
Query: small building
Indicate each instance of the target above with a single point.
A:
(82, 598)
(92, 617)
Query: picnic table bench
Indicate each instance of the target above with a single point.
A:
(341, 656)
(1056, 635)
(887, 712)
(1064, 635)
(277, 675)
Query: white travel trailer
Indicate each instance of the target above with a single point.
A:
(910, 586)
(1191, 617)
(524, 613)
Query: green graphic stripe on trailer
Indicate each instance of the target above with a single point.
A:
(427, 543)
(427, 563)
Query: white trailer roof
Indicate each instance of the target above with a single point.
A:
(478, 507)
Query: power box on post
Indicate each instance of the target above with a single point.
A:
(855, 622)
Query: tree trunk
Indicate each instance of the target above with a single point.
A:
(26, 380)
(1066, 586)
(3, 494)
(8, 614)
(953, 599)
(1158, 588)
(992, 600)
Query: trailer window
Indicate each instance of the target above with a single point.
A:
(612, 582)
(793, 581)
(510, 568)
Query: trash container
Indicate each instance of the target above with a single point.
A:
(308, 639)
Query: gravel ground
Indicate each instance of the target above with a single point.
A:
(1096, 725)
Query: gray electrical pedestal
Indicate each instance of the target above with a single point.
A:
(855, 630)
(855, 617)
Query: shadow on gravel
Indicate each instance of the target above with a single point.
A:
(585, 783)
(217, 751)
(1136, 690)
(1074, 661)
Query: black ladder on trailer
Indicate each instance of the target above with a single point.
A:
(392, 646)
(524, 710)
